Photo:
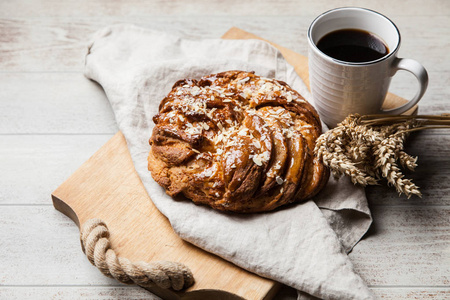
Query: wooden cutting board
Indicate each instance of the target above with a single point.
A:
(107, 187)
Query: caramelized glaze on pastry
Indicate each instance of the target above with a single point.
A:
(236, 142)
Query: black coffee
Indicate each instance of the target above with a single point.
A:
(352, 45)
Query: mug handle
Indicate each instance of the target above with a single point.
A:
(421, 74)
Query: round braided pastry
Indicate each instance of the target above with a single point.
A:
(236, 142)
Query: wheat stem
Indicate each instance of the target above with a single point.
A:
(371, 147)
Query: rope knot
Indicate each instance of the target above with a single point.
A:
(95, 243)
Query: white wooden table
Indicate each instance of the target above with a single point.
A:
(52, 119)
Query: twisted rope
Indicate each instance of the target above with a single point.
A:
(94, 237)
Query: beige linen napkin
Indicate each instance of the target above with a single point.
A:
(301, 246)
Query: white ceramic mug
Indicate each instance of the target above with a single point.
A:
(340, 88)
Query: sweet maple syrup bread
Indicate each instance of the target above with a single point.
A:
(237, 142)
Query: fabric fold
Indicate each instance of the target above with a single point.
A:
(300, 245)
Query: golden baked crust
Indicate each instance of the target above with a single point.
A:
(236, 142)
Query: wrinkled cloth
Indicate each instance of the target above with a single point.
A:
(304, 245)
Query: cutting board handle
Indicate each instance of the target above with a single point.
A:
(94, 237)
(155, 276)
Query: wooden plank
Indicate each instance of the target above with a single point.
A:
(52, 158)
(263, 8)
(74, 292)
(53, 103)
(40, 246)
(408, 293)
(107, 187)
(59, 44)
(405, 246)
(75, 104)
(32, 166)
(135, 293)
(408, 246)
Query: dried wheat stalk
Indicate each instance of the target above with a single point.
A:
(371, 147)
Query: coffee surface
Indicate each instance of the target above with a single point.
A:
(353, 45)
